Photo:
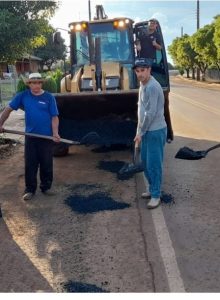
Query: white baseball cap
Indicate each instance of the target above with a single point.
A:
(35, 77)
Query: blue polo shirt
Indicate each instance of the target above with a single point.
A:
(39, 111)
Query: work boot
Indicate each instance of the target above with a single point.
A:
(153, 203)
(146, 195)
(28, 196)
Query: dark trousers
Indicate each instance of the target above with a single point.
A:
(38, 155)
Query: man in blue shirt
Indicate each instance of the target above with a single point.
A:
(41, 117)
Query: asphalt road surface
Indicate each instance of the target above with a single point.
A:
(193, 221)
(50, 246)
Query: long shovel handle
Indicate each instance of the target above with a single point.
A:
(213, 147)
(48, 137)
(136, 157)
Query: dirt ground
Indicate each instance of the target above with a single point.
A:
(51, 246)
(7, 147)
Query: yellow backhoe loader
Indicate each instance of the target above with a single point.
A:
(100, 92)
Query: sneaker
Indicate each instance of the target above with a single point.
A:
(153, 203)
(146, 195)
(28, 196)
(49, 193)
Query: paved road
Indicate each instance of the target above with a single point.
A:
(174, 248)
(52, 244)
(193, 221)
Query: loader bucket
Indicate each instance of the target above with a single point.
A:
(112, 114)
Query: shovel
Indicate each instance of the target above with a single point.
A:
(88, 139)
(190, 154)
(130, 169)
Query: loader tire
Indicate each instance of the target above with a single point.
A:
(60, 149)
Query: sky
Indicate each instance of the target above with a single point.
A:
(175, 17)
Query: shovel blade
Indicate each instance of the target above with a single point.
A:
(190, 154)
(131, 169)
(92, 138)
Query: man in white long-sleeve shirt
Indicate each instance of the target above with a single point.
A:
(151, 129)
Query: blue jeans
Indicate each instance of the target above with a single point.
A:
(152, 153)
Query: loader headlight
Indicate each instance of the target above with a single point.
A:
(78, 27)
(71, 27)
(121, 24)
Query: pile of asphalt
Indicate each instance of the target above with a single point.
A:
(114, 166)
(79, 287)
(85, 199)
(110, 131)
(167, 199)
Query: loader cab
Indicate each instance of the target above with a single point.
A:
(160, 65)
(115, 39)
(116, 43)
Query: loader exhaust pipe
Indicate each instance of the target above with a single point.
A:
(98, 65)
(89, 9)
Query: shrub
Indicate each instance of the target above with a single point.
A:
(21, 86)
(50, 85)
(58, 75)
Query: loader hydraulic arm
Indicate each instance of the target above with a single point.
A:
(100, 13)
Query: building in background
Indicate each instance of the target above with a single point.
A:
(27, 64)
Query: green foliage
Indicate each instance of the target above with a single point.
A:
(216, 37)
(22, 25)
(201, 50)
(50, 85)
(48, 52)
(30, 9)
(57, 76)
(206, 52)
(21, 86)
(202, 43)
(182, 52)
(172, 49)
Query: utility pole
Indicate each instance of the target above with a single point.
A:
(198, 26)
(197, 14)
(182, 31)
(89, 4)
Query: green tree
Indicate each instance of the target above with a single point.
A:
(23, 25)
(172, 50)
(202, 44)
(216, 40)
(182, 54)
(186, 55)
(50, 52)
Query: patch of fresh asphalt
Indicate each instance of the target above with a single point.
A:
(166, 263)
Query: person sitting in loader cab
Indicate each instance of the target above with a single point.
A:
(149, 41)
